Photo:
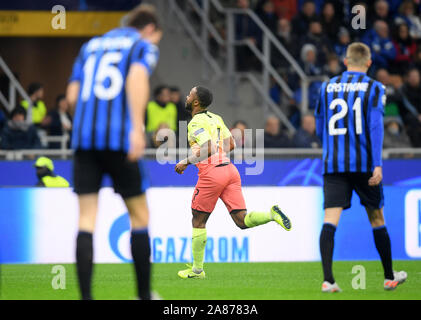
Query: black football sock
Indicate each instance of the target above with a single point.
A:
(382, 241)
(326, 250)
(141, 252)
(84, 263)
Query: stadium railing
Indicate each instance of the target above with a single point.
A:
(63, 140)
(161, 154)
(14, 86)
(269, 42)
(305, 85)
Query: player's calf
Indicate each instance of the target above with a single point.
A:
(239, 216)
(255, 218)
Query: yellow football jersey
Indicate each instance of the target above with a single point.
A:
(207, 126)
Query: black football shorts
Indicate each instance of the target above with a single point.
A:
(89, 167)
(338, 188)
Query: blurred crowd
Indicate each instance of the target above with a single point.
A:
(317, 34)
(166, 112)
(17, 133)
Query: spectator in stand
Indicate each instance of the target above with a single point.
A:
(163, 134)
(381, 12)
(284, 33)
(161, 110)
(39, 110)
(301, 21)
(417, 59)
(275, 91)
(294, 113)
(238, 133)
(344, 39)
(58, 122)
(309, 62)
(383, 51)
(311, 67)
(318, 4)
(330, 21)
(394, 133)
(246, 29)
(394, 6)
(285, 9)
(306, 137)
(392, 95)
(18, 134)
(410, 107)
(182, 114)
(407, 14)
(3, 119)
(316, 37)
(289, 41)
(333, 66)
(405, 50)
(273, 136)
(266, 12)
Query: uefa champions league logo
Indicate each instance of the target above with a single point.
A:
(305, 173)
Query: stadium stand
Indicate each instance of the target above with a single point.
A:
(314, 33)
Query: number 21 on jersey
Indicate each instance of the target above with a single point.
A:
(344, 109)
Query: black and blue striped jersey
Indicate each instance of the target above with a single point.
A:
(349, 122)
(102, 117)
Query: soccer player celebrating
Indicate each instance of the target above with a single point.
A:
(110, 87)
(349, 121)
(210, 141)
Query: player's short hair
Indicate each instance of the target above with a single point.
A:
(204, 95)
(358, 54)
(141, 16)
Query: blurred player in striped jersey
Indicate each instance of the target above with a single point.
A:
(349, 122)
(109, 87)
(210, 141)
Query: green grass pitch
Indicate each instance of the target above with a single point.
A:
(225, 281)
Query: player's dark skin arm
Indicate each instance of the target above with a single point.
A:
(206, 150)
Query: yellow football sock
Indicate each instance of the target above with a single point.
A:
(254, 218)
(198, 247)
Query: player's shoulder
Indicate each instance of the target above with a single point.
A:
(146, 51)
(196, 121)
(214, 115)
(146, 45)
(373, 82)
(378, 84)
(330, 81)
(217, 117)
(202, 119)
(335, 79)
